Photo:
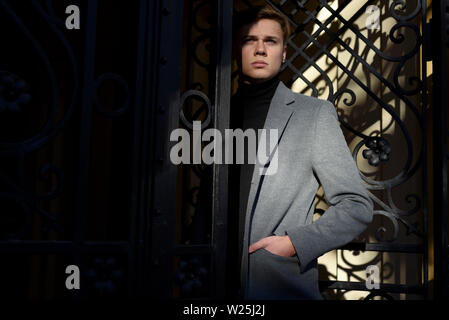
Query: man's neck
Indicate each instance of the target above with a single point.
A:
(263, 88)
(251, 81)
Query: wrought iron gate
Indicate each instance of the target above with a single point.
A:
(86, 179)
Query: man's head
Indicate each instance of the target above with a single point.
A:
(260, 43)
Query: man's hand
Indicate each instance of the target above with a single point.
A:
(280, 245)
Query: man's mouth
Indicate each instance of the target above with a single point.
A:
(259, 64)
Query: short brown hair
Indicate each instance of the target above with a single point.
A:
(254, 14)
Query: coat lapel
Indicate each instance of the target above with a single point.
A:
(279, 113)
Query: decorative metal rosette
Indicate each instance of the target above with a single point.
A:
(104, 275)
(13, 92)
(379, 149)
(191, 276)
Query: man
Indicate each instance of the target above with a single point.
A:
(277, 245)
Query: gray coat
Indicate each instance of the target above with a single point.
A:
(311, 151)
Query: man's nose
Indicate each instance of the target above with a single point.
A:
(260, 48)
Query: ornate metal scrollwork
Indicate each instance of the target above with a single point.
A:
(26, 200)
(51, 127)
(202, 96)
(15, 96)
(14, 93)
(104, 276)
(191, 276)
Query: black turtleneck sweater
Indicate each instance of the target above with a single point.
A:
(249, 109)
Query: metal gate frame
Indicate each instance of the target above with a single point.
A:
(150, 249)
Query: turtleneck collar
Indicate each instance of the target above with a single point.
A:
(259, 89)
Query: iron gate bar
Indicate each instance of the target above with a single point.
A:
(424, 49)
(85, 123)
(141, 172)
(137, 223)
(150, 105)
(194, 249)
(361, 286)
(384, 247)
(221, 115)
(30, 246)
(163, 207)
(439, 31)
(85, 134)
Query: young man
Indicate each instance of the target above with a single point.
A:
(273, 238)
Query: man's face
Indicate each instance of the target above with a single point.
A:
(261, 50)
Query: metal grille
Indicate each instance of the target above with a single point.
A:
(72, 183)
(85, 177)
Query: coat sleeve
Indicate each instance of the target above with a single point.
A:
(350, 207)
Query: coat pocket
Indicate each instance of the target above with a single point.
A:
(277, 277)
(292, 259)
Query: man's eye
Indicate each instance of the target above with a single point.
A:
(247, 40)
(271, 41)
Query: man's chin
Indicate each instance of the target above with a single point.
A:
(258, 78)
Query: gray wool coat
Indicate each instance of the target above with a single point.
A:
(311, 151)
